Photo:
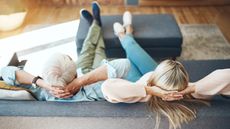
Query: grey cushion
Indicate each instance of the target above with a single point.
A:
(201, 68)
(151, 31)
(156, 53)
(213, 117)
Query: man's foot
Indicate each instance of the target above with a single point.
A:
(118, 29)
(96, 12)
(86, 14)
(127, 19)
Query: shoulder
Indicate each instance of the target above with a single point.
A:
(145, 78)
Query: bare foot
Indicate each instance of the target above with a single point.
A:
(121, 35)
(129, 29)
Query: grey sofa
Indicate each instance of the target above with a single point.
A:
(104, 115)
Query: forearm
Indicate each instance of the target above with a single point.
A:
(191, 88)
(23, 77)
(96, 75)
(217, 82)
(153, 91)
(119, 90)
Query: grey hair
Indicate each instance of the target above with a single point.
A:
(59, 70)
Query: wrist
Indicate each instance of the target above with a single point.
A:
(154, 91)
(148, 90)
(82, 81)
(41, 83)
(191, 88)
(34, 81)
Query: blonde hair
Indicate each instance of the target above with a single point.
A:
(170, 75)
(59, 70)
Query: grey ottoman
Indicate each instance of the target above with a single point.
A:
(158, 34)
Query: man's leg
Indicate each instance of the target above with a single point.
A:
(86, 58)
(99, 53)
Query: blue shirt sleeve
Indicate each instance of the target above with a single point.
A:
(8, 75)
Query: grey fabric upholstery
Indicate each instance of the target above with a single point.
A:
(157, 31)
(157, 53)
(201, 68)
(136, 115)
(220, 106)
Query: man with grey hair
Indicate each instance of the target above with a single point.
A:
(59, 70)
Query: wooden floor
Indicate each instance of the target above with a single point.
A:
(48, 14)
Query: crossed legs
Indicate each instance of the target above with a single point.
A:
(92, 52)
(141, 62)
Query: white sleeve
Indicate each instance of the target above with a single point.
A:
(118, 68)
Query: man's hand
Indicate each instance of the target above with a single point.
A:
(67, 91)
(60, 92)
(72, 89)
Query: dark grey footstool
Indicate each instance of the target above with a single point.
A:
(158, 34)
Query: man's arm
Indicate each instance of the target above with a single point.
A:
(26, 78)
(99, 74)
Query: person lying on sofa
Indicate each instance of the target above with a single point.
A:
(61, 66)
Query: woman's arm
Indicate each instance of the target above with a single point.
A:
(119, 90)
(217, 82)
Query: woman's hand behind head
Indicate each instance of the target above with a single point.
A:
(164, 94)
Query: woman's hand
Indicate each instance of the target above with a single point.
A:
(173, 95)
(165, 95)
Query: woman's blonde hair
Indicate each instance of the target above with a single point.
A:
(170, 75)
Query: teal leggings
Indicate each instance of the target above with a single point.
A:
(141, 61)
